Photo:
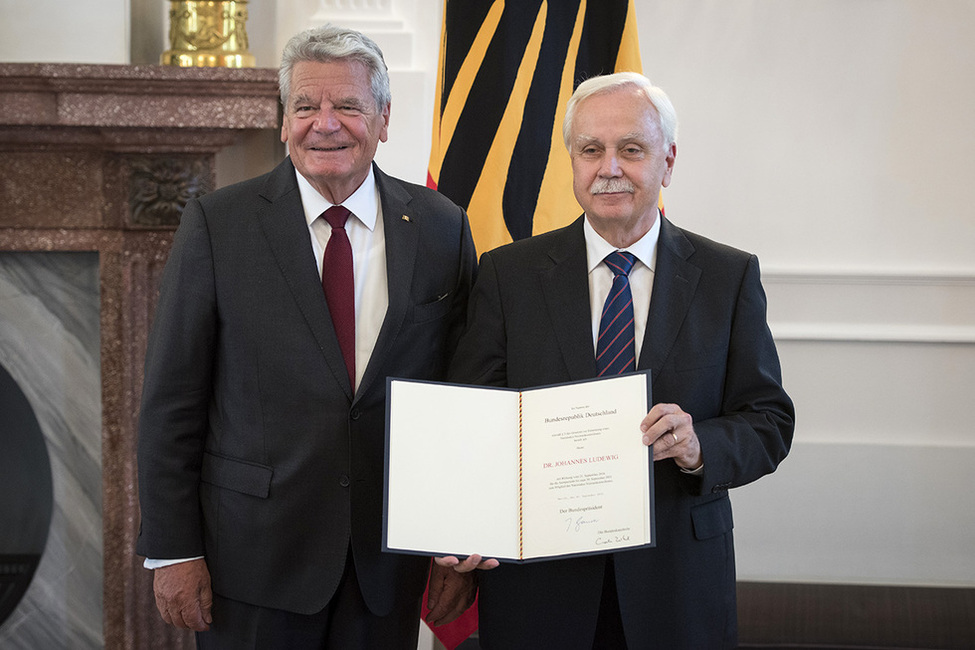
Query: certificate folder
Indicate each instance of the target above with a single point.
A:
(517, 475)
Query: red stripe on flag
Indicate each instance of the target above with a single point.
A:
(456, 632)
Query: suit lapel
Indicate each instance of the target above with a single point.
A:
(401, 234)
(565, 286)
(674, 283)
(284, 225)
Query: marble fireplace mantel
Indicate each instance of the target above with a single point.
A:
(102, 158)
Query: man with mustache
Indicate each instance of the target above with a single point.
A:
(621, 289)
(286, 303)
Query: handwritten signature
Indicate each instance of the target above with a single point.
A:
(612, 539)
(576, 525)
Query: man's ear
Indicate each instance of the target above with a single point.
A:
(671, 159)
(384, 133)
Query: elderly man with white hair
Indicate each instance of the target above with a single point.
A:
(623, 289)
(286, 302)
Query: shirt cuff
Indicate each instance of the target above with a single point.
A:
(693, 472)
(158, 564)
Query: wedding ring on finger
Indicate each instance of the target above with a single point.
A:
(676, 439)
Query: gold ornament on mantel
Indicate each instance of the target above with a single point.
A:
(210, 34)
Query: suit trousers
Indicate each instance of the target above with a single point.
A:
(609, 625)
(345, 624)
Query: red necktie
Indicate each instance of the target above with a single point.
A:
(338, 285)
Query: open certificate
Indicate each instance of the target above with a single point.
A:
(518, 475)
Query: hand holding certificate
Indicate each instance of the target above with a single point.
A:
(518, 475)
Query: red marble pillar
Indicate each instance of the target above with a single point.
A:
(102, 158)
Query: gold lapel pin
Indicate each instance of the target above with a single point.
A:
(406, 218)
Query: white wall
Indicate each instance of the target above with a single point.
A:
(833, 139)
(837, 132)
(64, 31)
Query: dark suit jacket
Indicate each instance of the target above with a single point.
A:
(252, 449)
(710, 351)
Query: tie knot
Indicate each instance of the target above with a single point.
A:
(336, 216)
(619, 262)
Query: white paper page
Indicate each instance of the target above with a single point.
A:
(586, 485)
(453, 470)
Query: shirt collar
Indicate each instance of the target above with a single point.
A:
(364, 202)
(645, 248)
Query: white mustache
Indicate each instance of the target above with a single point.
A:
(611, 186)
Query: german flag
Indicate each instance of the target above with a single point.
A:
(507, 70)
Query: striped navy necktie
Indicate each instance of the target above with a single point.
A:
(615, 349)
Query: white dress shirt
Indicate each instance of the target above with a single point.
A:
(365, 233)
(641, 278)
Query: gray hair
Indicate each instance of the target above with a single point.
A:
(332, 43)
(611, 82)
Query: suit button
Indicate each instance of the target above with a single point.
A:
(355, 414)
(344, 481)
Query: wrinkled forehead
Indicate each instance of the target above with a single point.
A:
(619, 114)
(335, 77)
